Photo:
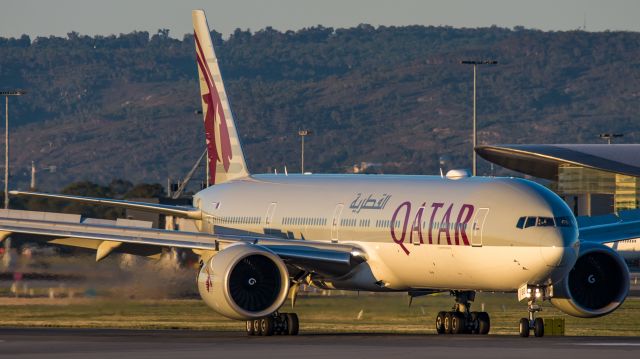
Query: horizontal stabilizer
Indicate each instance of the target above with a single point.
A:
(178, 211)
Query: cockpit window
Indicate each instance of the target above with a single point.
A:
(531, 221)
(526, 222)
(563, 222)
(545, 222)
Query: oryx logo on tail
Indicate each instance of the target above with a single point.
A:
(215, 123)
(226, 161)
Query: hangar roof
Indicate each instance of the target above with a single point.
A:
(543, 160)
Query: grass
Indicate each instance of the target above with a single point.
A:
(318, 314)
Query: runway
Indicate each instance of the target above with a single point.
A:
(181, 344)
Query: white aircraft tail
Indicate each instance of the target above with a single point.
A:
(226, 160)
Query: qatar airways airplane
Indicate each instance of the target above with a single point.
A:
(262, 236)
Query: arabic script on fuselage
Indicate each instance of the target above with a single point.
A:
(369, 202)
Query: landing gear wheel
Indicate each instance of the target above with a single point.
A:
(256, 327)
(250, 328)
(440, 322)
(447, 322)
(475, 326)
(484, 323)
(538, 327)
(266, 326)
(524, 327)
(458, 323)
(281, 327)
(293, 325)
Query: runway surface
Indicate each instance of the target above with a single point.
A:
(179, 344)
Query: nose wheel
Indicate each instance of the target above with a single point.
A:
(532, 323)
(275, 324)
(460, 320)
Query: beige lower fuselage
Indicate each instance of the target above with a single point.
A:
(418, 232)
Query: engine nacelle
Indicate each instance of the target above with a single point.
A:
(244, 282)
(596, 285)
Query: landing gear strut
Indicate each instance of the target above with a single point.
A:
(460, 320)
(274, 324)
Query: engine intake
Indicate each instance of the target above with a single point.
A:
(596, 285)
(244, 282)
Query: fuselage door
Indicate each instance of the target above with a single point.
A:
(478, 226)
(269, 216)
(335, 222)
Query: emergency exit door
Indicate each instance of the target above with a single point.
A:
(269, 216)
(335, 222)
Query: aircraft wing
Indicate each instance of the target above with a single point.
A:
(70, 230)
(178, 211)
(610, 228)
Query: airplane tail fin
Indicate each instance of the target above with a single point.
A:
(226, 160)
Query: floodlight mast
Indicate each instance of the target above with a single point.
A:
(303, 134)
(6, 94)
(475, 132)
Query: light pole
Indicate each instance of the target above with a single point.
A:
(475, 133)
(303, 134)
(6, 94)
(610, 136)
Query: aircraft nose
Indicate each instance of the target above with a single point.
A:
(560, 249)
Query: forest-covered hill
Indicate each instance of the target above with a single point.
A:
(122, 106)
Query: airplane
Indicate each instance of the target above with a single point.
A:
(261, 236)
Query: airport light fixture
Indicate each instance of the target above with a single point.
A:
(6, 94)
(610, 136)
(303, 134)
(475, 133)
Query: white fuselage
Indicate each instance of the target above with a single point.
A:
(629, 249)
(419, 232)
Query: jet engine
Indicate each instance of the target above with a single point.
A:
(244, 282)
(596, 285)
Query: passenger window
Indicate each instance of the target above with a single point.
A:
(545, 222)
(521, 222)
(531, 221)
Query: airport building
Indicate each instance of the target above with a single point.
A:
(594, 179)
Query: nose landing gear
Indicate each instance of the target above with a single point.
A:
(533, 294)
(527, 324)
(460, 320)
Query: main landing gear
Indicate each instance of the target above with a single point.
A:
(460, 320)
(275, 324)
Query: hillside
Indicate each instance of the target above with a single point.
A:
(100, 108)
